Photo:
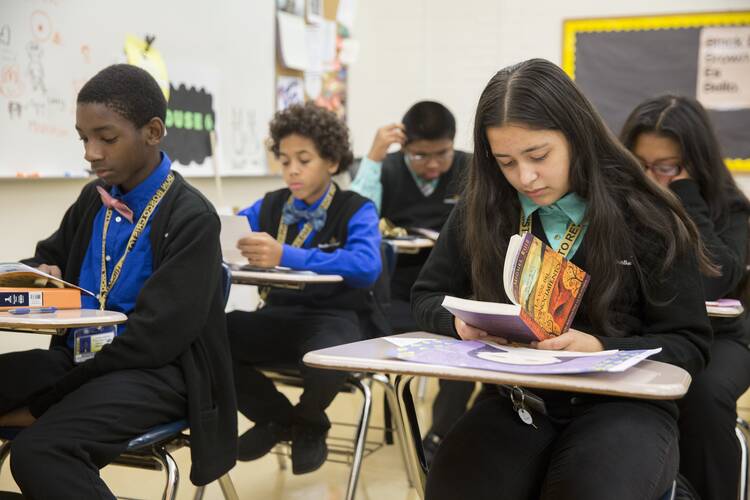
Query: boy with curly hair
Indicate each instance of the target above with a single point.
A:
(309, 225)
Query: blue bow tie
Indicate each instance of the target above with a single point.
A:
(291, 215)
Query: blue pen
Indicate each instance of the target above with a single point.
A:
(28, 310)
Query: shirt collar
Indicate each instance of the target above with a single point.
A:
(138, 197)
(571, 206)
(301, 205)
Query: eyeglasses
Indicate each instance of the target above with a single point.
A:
(442, 156)
(663, 169)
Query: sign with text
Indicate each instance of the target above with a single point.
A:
(724, 68)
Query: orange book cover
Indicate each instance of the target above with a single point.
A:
(61, 298)
(548, 287)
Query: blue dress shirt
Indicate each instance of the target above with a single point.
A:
(358, 261)
(138, 264)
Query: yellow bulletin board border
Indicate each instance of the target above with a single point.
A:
(572, 27)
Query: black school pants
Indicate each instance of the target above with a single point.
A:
(59, 455)
(709, 451)
(613, 449)
(280, 336)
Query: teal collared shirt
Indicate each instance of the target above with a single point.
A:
(367, 182)
(557, 216)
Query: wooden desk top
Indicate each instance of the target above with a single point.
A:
(647, 380)
(61, 319)
(286, 278)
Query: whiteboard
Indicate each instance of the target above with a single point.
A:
(50, 48)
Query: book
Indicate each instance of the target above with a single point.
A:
(726, 308)
(25, 286)
(545, 290)
(61, 298)
(233, 229)
(430, 234)
(484, 355)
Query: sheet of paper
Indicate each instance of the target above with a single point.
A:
(292, 35)
(346, 12)
(402, 342)
(233, 228)
(289, 91)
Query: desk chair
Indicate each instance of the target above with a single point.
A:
(152, 450)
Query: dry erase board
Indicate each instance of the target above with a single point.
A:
(219, 59)
(619, 62)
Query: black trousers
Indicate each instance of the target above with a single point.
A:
(614, 450)
(709, 451)
(278, 336)
(59, 455)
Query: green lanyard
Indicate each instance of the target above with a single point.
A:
(104, 286)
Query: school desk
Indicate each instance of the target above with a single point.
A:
(410, 246)
(647, 380)
(291, 279)
(57, 322)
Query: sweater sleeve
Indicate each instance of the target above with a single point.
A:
(55, 249)
(444, 273)
(170, 312)
(675, 319)
(726, 247)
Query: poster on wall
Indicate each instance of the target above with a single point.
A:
(724, 68)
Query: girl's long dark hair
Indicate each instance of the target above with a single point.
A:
(623, 204)
(686, 122)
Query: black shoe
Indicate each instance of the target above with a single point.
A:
(430, 445)
(309, 449)
(261, 439)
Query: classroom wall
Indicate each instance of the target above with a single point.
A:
(439, 49)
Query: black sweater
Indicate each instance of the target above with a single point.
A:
(726, 243)
(178, 317)
(678, 323)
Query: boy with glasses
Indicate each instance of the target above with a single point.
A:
(417, 187)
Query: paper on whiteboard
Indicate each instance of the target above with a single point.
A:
(292, 39)
(233, 228)
(723, 81)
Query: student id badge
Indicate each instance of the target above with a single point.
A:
(88, 341)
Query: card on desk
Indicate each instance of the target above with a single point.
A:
(233, 229)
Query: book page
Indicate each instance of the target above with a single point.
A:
(15, 274)
(233, 229)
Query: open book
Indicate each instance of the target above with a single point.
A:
(545, 290)
(24, 286)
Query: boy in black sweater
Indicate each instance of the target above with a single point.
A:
(417, 187)
(147, 243)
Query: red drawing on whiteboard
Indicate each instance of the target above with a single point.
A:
(41, 26)
(11, 85)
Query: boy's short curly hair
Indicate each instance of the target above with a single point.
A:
(329, 134)
(128, 90)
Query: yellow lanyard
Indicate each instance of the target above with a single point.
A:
(104, 287)
(301, 237)
(571, 234)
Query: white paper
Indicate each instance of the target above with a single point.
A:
(314, 11)
(349, 51)
(328, 35)
(401, 341)
(541, 353)
(292, 41)
(233, 228)
(314, 42)
(724, 68)
(313, 84)
(289, 91)
(346, 12)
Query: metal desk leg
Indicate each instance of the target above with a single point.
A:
(396, 420)
(413, 440)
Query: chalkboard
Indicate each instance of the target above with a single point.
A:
(619, 62)
(220, 65)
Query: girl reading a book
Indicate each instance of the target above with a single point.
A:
(673, 139)
(545, 162)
